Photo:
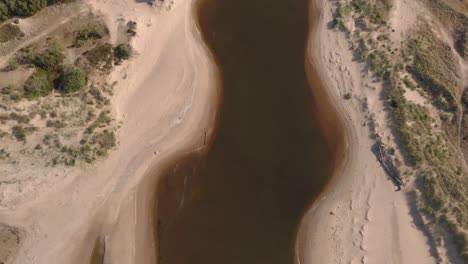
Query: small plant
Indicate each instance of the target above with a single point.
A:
(8, 89)
(347, 96)
(408, 82)
(20, 132)
(90, 32)
(37, 85)
(101, 57)
(122, 52)
(55, 123)
(9, 32)
(72, 80)
(19, 118)
(51, 58)
(105, 139)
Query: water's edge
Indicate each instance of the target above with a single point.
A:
(331, 130)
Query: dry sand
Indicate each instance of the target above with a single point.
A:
(361, 218)
(166, 98)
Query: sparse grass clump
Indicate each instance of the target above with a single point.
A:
(55, 124)
(9, 32)
(434, 67)
(375, 11)
(7, 89)
(51, 58)
(379, 64)
(19, 132)
(101, 57)
(106, 139)
(341, 16)
(72, 80)
(409, 83)
(122, 52)
(37, 85)
(88, 33)
(19, 118)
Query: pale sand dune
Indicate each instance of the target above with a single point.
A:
(166, 104)
(361, 218)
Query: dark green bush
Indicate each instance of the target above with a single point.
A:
(24, 8)
(72, 80)
(9, 32)
(37, 85)
(20, 132)
(4, 14)
(122, 52)
(51, 58)
(90, 32)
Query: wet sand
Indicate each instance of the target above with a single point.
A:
(273, 151)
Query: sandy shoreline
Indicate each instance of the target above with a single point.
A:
(166, 104)
(360, 218)
(164, 98)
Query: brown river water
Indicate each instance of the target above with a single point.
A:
(240, 201)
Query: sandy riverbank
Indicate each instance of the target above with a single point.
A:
(166, 102)
(361, 218)
(164, 98)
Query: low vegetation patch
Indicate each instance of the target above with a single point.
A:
(89, 33)
(101, 57)
(72, 79)
(20, 132)
(37, 85)
(24, 8)
(122, 52)
(51, 58)
(10, 32)
(434, 67)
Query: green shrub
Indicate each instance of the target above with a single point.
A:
(122, 52)
(37, 85)
(55, 123)
(72, 80)
(104, 141)
(409, 83)
(9, 32)
(90, 32)
(100, 57)
(7, 90)
(25, 8)
(19, 118)
(4, 14)
(341, 15)
(51, 58)
(25, 56)
(379, 63)
(20, 132)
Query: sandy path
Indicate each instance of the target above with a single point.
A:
(361, 219)
(165, 102)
